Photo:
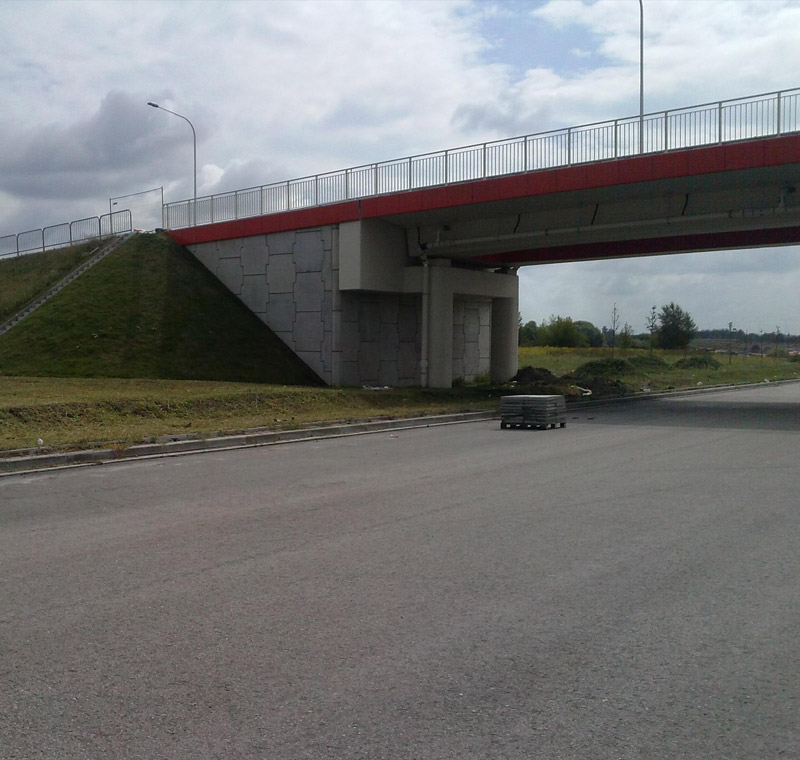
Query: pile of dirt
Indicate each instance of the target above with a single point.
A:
(534, 376)
(541, 381)
(697, 362)
(600, 377)
(604, 387)
(602, 368)
(650, 361)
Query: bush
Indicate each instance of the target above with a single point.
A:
(560, 331)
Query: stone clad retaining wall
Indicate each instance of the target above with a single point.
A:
(290, 280)
(380, 338)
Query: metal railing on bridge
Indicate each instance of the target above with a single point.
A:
(67, 233)
(756, 116)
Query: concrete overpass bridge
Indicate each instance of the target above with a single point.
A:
(404, 272)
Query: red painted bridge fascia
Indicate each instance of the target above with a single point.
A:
(751, 154)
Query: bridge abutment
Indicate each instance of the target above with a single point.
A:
(352, 303)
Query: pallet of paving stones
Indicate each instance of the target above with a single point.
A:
(540, 412)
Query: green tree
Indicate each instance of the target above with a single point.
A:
(614, 328)
(527, 334)
(594, 337)
(626, 336)
(652, 327)
(560, 331)
(675, 327)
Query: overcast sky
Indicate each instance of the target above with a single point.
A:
(281, 89)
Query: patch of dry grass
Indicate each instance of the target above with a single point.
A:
(72, 413)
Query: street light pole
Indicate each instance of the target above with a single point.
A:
(194, 147)
(641, 73)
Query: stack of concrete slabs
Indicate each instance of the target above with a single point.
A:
(532, 412)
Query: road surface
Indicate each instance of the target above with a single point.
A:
(627, 587)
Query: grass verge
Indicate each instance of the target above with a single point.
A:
(74, 414)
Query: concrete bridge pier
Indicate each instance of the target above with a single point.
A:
(505, 338)
(449, 333)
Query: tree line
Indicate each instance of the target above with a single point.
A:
(671, 327)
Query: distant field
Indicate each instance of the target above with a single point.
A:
(734, 369)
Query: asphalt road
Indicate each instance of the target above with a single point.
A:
(626, 587)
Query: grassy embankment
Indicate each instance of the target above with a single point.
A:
(24, 278)
(150, 311)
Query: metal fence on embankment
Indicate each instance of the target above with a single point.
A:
(65, 234)
(753, 117)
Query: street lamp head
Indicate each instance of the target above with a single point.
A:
(194, 147)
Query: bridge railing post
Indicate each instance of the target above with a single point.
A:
(778, 114)
(569, 146)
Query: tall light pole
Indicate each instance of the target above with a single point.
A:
(194, 147)
(730, 342)
(641, 74)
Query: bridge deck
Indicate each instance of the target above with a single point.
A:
(521, 218)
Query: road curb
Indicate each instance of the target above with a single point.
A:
(19, 465)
